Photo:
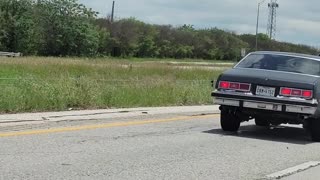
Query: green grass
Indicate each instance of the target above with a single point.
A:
(31, 84)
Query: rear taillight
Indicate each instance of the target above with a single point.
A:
(307, 94)
(224, 85)
(234, 86)
(291, 92)
(286, 91)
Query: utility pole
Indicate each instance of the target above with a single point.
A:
(257, 27)
(115, 52)
(112, 13)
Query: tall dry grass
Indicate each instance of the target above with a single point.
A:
(44, 84)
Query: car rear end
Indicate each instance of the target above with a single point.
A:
(263, 92)
(270, 88)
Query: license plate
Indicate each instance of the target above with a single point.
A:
(265, 91)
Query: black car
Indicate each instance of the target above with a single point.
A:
(272, 88)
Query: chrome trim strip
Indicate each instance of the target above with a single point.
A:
(266, 106)
(227, 102)
(301, 109)
(263, 106)
(226, 92)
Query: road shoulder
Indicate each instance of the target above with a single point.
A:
(9, 120)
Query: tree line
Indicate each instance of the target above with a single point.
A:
(68, 28)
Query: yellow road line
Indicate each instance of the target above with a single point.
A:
(101, 126)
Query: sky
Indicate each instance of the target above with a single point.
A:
(298, 21)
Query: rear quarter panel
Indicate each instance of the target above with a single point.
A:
(317, 96)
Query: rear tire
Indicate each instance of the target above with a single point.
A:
(315, 130)
(262, 122)
(229, 121)
(307, 125)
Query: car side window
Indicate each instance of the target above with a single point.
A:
(252, 61)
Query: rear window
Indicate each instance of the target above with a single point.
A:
(281, 63)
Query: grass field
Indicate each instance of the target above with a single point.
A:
(32, 84)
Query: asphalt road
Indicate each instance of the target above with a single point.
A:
(151, 146)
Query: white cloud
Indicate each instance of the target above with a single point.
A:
(304, 26)
(298, 21)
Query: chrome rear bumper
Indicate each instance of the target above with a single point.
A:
(279, 107)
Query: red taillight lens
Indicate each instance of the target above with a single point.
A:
(296, 92)
(245, 87)
(307, 94)
(224, 85)
(234, 86)
(285, 91)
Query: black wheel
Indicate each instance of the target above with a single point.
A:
(229, 121)
(262, 122)
(315, 130)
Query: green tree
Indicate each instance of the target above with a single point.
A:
(17, 26)
(67, 28)
(147, 46)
